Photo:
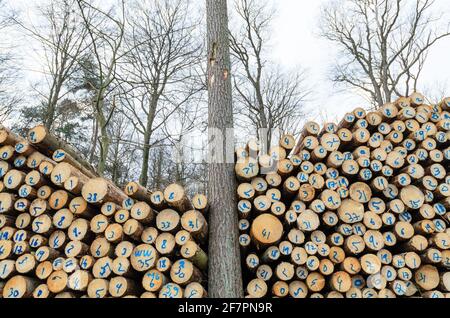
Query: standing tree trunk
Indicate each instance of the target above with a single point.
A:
(143, 179)
(225, 278)
(104, 149)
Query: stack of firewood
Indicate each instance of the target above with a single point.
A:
(358, 209)
(66, 232)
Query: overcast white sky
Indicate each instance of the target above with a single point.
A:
(296, 44)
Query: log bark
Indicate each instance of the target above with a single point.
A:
(224, 273)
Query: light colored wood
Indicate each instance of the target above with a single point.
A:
(247, 168)
(142, 212)
(195, 223)
(191, 251)
(99, 190)
(184, 272)
(168, 220)
(19, 287)
(200, 203)
(171, 290)
(195, 290)
(98, 288)
(149, 235)
(57, 281)
(79, 280)
(60, 155)
(121, 287)
(256, 288)
(44, 141)
(144, 257)
(175, 196)
(266, 229)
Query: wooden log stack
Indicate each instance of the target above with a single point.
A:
(65, 232)
(357, 209)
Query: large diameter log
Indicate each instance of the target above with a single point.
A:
(100, 190)
(427, 277)
(266, 229)
(176, 197)
(195, 223)
(184, 272)
(19, 287)
(168, 220)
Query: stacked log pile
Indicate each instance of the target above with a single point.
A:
(66, 232)
(358, 209)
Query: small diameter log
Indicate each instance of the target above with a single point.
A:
(35, 179)
(35, 159)
(7, 201)
(154, 280)
(59, 199)
(136, 191)
(195, 290)
(57, 282)
(191, 251)
(7, 153)
(171, 290)
(165, 244)
(157, 200)
(200, 203)
(98, 288)
(13, 179)
(79, 280)
(182, 237)
(78, 206)
(133, 229)
(256, 288)
(101, 247)
(7, 137)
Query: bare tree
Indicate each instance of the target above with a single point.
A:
(105, 35)
(224, 276)
(60, 33)
(122, 154)
(267, 96)
(160, 72)
(383, 44)
(8, 72)
(180, 134)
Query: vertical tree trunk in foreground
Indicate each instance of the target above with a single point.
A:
(225, 279)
